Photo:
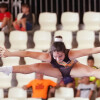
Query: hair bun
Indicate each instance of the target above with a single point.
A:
(56, 39)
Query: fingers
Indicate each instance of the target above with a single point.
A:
(2, 51)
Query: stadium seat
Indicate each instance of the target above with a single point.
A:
(18, 40)
(85, 39)
(79, 98)
(19, 16)
(10, 99)
(50, 78)
(33, 99)
(83, 60)
(57, 99)
(2, 39)
(16, 92)
(29, 60)
(48, 21)
(98, 98)
(5, 81)
(24, 79)
(64, 92)
(42, 40)
(10, 61)
(97, 60)
(67, 37)
(92, 21)
(1, 93)
(70, 21)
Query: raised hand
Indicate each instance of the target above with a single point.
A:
(3, 52)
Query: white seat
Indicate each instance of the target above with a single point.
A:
(33, 99)
(85, 39)
(83, 60)
(42, 40)
(57, 99)
(48, 21)
(70, 21)
(67, 37)
(10, 99)
(92, 21)
(1, 93)
(50, 78)
(5, 81)
(97, 60)
(24, 79)
(64, 92)
(17, 93)
(18, 40)
(19, 16)
(79, 98)
(10, 61)
(2, 39)
(98, 98)
(29, 60)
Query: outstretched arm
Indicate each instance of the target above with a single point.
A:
(84, 52)
(36, 55)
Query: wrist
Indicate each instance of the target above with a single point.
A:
(7, 54)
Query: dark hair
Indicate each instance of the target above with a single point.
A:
(3, 5)
(58, 46)
(58, 37)
(90, 58)
(25, 5)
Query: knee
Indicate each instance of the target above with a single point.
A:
(90, 73)
(35, 67)
(14, 23)
(23, 20)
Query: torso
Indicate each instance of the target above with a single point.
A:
(66, 66)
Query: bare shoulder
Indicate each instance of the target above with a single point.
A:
(46, 56)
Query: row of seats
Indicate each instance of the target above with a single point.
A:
(69, 21)
(10, 61)
(61, 92)
(43, 39)
(5, 81)
(22, 79)
(76, 98)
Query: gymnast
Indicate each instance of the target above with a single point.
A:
(59, 62)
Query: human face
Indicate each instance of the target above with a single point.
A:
(3, 10)
(90, 63)
(39, 76)
(58, 56)
(25, 10)
(85, 80)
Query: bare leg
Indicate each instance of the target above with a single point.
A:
(70, 85)
(5, 22)
(45, 68)
(16, 24)
(80, 70)
(23, 22)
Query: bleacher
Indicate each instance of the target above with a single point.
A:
(47, 25)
